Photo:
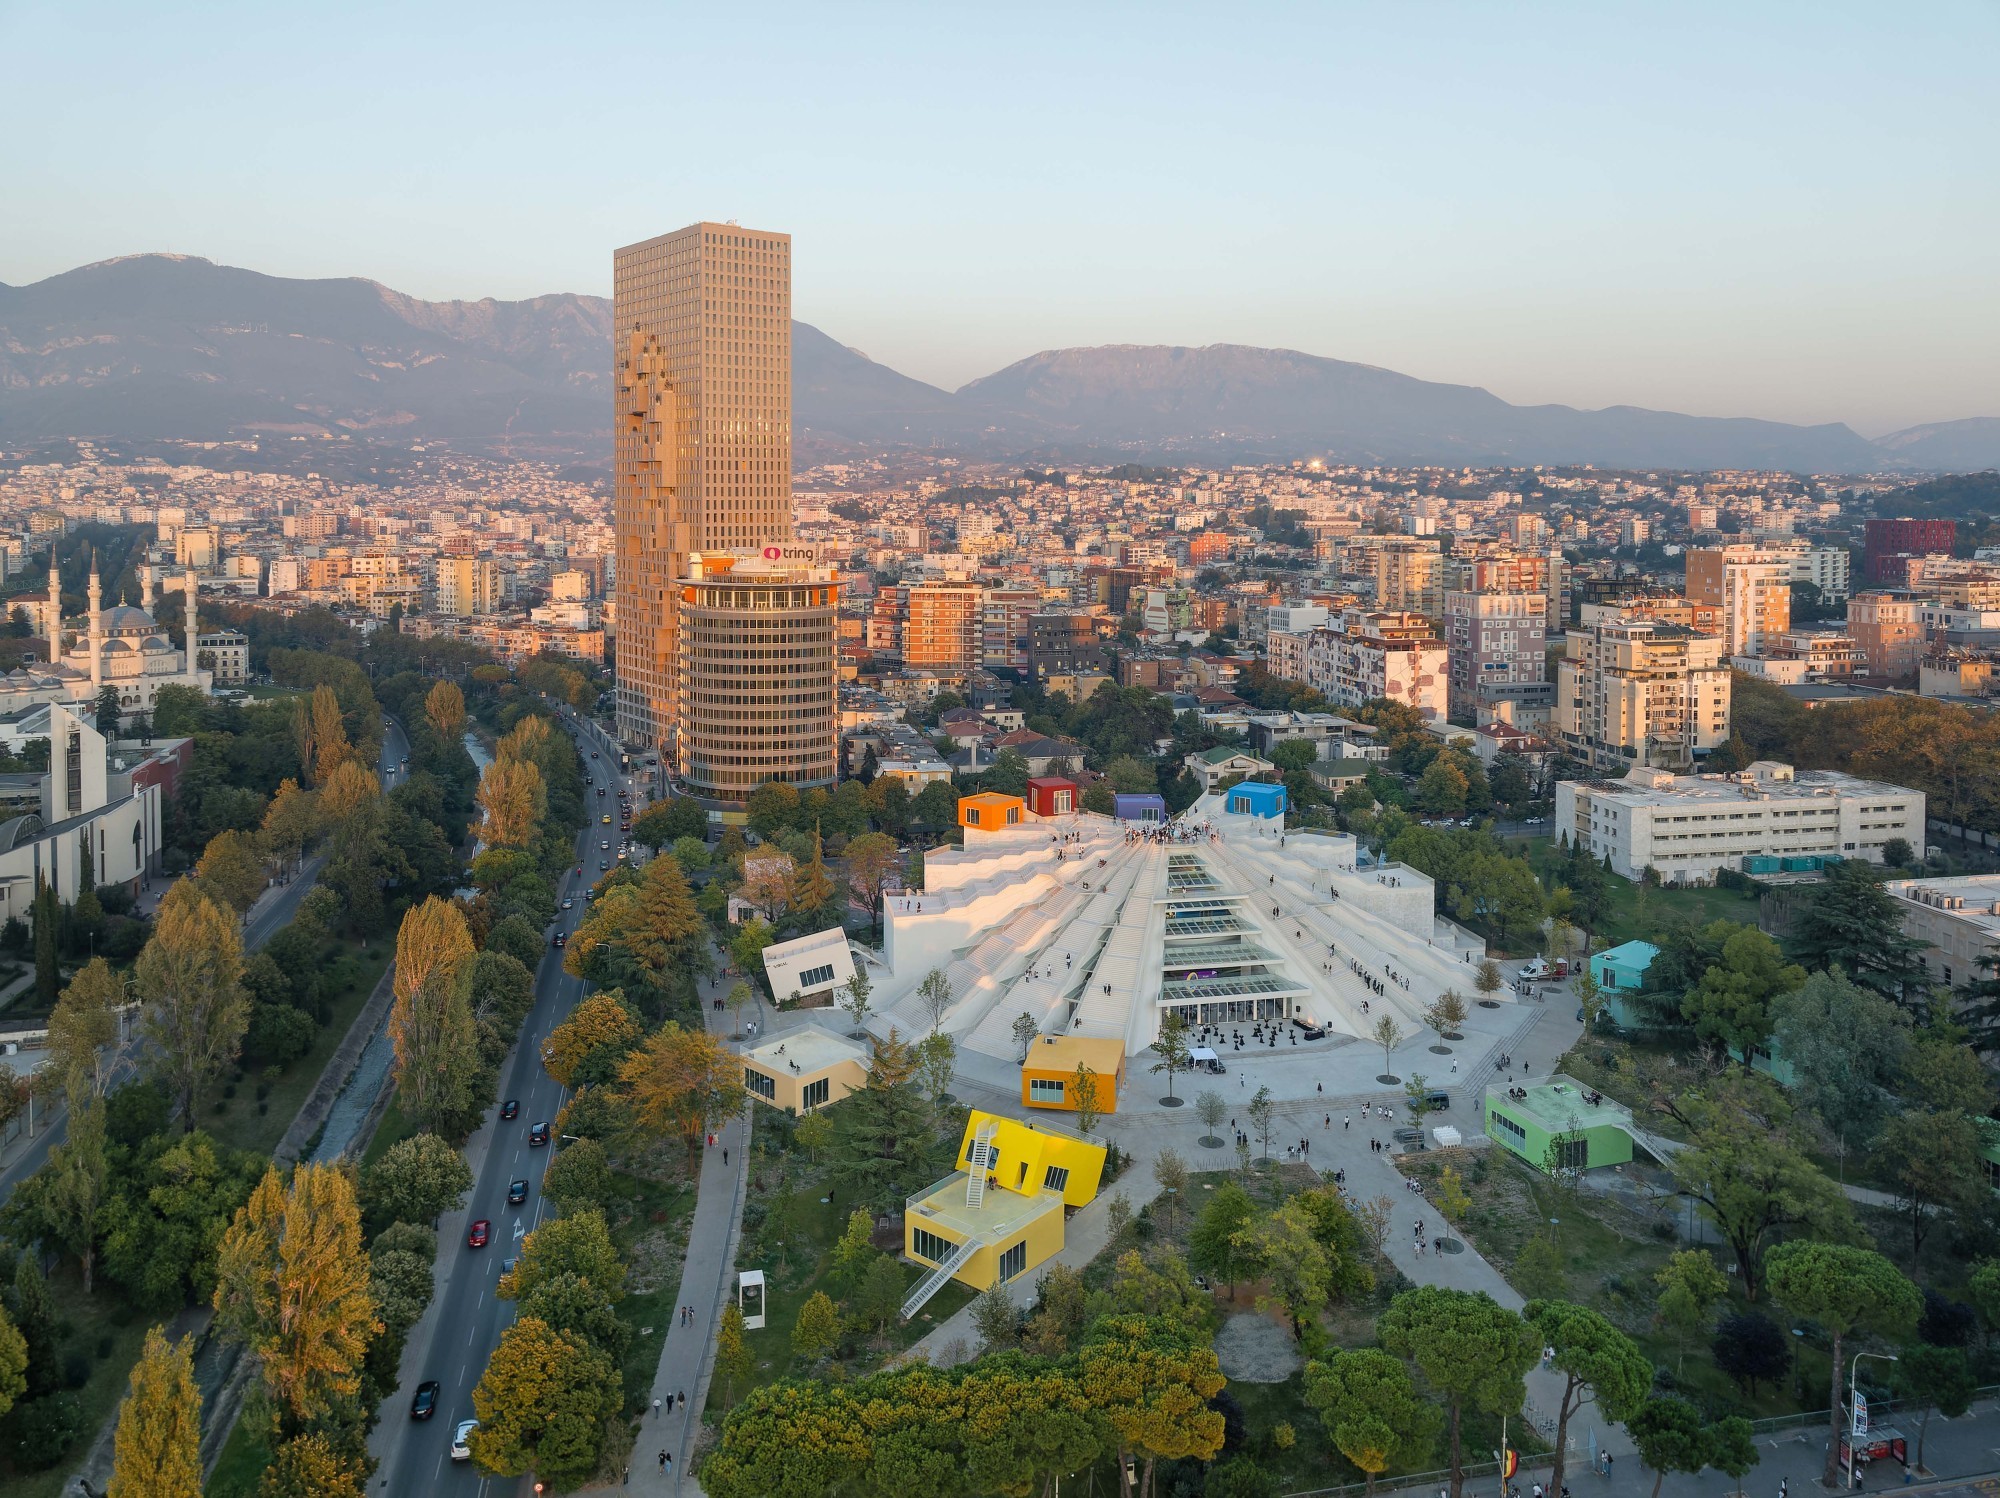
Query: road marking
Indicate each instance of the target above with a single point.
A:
(470, 1335)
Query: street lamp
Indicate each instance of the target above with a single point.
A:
(1853, 1373)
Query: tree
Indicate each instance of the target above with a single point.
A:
(232, 869)
(598, 1021)
(817, 1331)
(814, 1133)
(577, 1246)
(1596, 1361)
(190, 976)
(1690, 1289)
(1171, 1172)
(1752, 1349)
(937, 1063)
(1851, 923)
(1217, 1246)
(1731, 1005)
(13, 1363)
(436, 1052)
(1262, 1112)
(1024, 1031)
(1151, 1381)
(679, 1082)
(854, 998)
(1293, 1266)
(1473, 1353)
(1846, 1045)
(292, 1287)
(1743, 1166)
(1935, 1162)
(1211, 1110)
(1671, 1438)
(157, 1451)
(81, 1030)
(1487, 978)
(47, 912)
(1085, 1094)
(1937, 1378)
(444, 710)
(935, 995)
(1388, 1035)
(416, 1180)
(512, 800)
(433, 937)
(854, 1251)
(74, 1184)
(732, 1354)
(1846, 1290)
(1171, 1047)
(1452, 1198)
(542, 1403)
(316, 1465)
(1371, 1410)
(1539, 1270)
(579, 1178)
(996, 1318)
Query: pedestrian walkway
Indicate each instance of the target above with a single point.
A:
(708, 1280)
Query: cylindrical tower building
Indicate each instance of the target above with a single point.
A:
(758, 664)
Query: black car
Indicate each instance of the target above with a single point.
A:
(1437, 1100)
(425, 1404)
(517, 1192)
(561, 939)
(511, 1109)
(1407, 1135)
(538, 1135)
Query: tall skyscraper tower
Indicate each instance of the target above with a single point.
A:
(703, 434)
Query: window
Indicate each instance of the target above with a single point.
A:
(930, 1246)
(1057, 1178)
(812, 977)
(765, 1087)
(1014, 1260)
(1045, 1091)
(1572, 1153)
(815, 1094)
(1509, 1126)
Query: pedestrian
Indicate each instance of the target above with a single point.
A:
(1454, 1066)
(681, 1399)
(669, 1467)
(663, 1461)
(725, 1156)
(1784, 1487)
(1346, 1122)
(656, 1409)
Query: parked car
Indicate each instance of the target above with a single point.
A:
(1437, 1100)
(1534, 967)
(425, 1403)
(461, 1440)
(1408, 1135)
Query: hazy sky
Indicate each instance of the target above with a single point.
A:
(1746, 208)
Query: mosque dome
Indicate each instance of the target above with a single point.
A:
(125, 619)
(157, 645)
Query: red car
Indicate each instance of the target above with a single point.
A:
(481, 1231)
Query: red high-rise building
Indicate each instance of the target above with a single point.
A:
(1907, 536)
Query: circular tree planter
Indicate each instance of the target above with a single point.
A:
(1453, 1035)
(1451, 1246)
(1211, 1141)
(1388, 1081)
(1489, 1003)
(1173, 1102)
(1440, 1050)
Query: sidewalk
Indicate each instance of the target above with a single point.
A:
(708, 1280)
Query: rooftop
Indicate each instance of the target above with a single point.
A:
(998, 1214)
(810, 1049)
(1558, 1105)
(1969, 897)
(1764, 780)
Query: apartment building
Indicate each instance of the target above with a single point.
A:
(1638, 691)
(1496, 644)
(1887, 629)
(1887, 541)
(1751, 587)
(1828, 568)
(1004, 619)
(943, 626)
(1957, 920)
(1688, 827)
(467, 585)
(1373, 655)
(1409, 576)
(1064, 642)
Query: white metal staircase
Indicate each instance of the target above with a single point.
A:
(933, 1282)
(978, 1160)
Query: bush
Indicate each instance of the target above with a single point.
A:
(45, 1429)
(104, 1345)
(76, 1368)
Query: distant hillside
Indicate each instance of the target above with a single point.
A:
(169, 345)
(1952, 445)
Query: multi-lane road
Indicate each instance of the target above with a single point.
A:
(264, 923)
(463, 1325)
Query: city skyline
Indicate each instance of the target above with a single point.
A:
(1711, 213)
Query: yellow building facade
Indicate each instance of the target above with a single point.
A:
(1001, 1214)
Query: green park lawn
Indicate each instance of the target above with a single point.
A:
(1634, 912)
(247, 1122)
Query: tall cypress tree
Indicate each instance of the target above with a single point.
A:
(48, 920)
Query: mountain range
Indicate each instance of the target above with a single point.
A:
(176, 346)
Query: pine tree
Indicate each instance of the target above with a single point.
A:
(158, 1449)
